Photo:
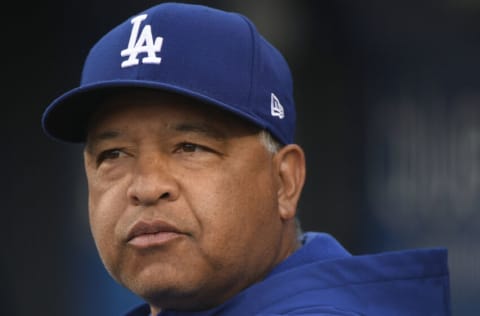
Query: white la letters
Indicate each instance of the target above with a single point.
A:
(141, 44)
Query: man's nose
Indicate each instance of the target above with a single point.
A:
(152, 182)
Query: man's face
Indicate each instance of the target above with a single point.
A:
(183, 200)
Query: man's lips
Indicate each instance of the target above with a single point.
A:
(149, 234)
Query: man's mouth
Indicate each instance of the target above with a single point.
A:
(152, 234)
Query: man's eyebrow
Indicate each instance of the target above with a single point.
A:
(200, 128)
(94, 139)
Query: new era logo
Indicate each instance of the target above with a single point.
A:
(141, 44)
(276, 108)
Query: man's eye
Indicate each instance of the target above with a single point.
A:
(189, 147)
(109, 155)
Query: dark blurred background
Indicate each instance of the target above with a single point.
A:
(388, 97)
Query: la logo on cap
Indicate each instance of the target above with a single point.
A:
(142, 43)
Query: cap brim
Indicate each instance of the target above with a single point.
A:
(66, 118)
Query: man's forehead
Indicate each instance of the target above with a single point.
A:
(166, 114)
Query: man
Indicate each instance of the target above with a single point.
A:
(188, 119)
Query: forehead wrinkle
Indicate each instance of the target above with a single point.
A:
(200, 128)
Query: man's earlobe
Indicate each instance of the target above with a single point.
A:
(290, 162)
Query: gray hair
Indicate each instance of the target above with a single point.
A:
(270, 143)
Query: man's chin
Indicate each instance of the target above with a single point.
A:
(175, 299)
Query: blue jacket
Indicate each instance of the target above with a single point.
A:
(322, 278)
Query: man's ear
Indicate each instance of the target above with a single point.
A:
(290, 168)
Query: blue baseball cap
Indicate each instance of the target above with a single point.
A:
(216, 57)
